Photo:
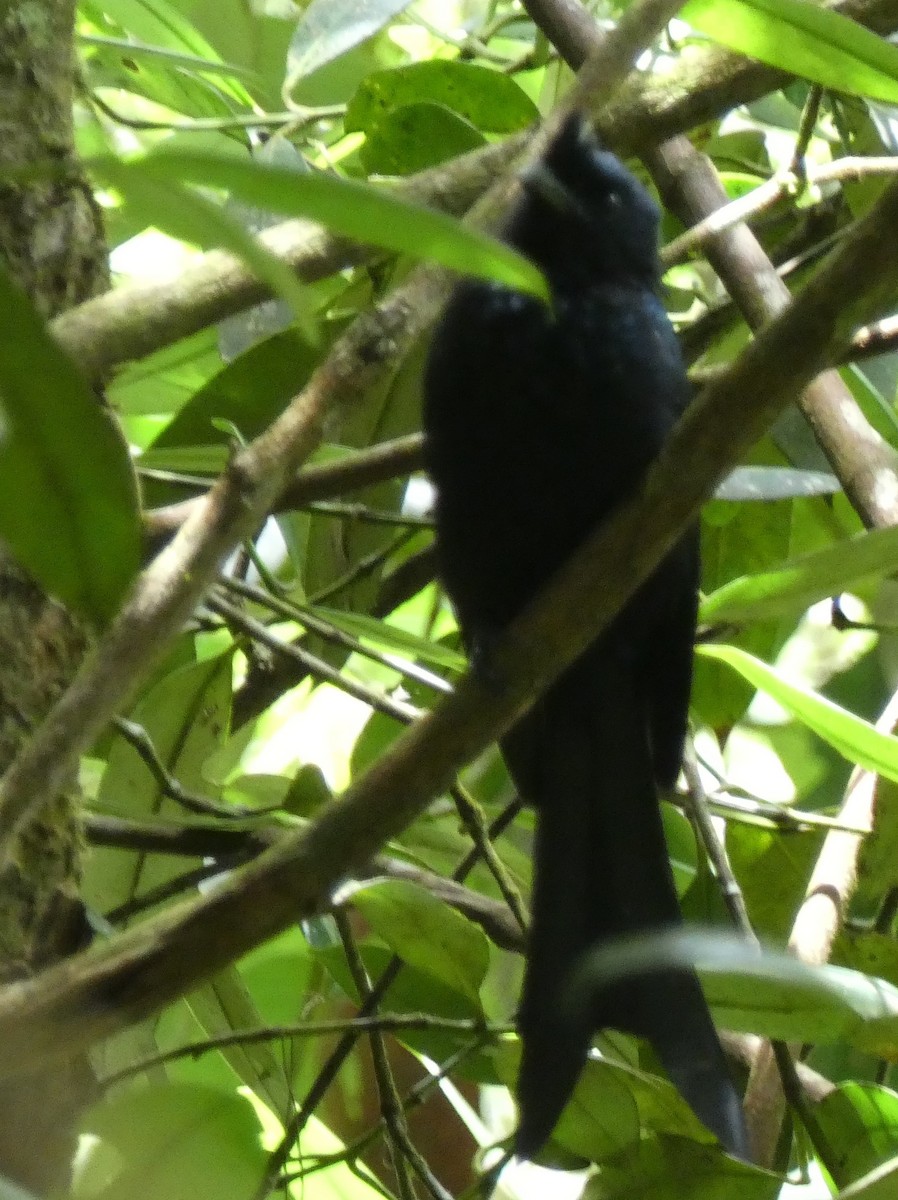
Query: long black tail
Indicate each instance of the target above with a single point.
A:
(602, 871)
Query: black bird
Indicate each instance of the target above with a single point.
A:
(539, 421)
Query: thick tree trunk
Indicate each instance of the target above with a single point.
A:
(51, 242)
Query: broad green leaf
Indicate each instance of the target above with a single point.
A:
(249, 391)
(68, 496)
(161, 383)
(879, 1184)
(681, 1169)
(877, 868)
(417, 991)
(773, 871)
(485, 97)
(186, 716)
(427, 933)
(860, 1123)
(804, 581)
(853, 737)
(416, 136)
(175, 1141)
(357, 210)
(868, 951)
(159, 24)
(601, 1119)
(179, 68)
(737, 539)
(803, 39)
(681, 847)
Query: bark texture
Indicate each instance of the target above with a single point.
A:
(51, 243)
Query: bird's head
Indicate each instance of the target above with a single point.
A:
(582, 211)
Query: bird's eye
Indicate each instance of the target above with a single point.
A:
(614, 200)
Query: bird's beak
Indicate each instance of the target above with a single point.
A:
(540, 181)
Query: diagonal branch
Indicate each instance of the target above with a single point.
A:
(90, 997)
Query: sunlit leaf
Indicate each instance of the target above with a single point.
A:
(853, 737)
(68, 495)
(803, 39)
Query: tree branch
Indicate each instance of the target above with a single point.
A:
(85, 999)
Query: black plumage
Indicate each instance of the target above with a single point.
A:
(540, 420)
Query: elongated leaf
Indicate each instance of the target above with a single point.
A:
(775, 483)
(329, 28)
(186, 214)
(353, 209)
(224, 1004)
(803, 39)
(390, 637)
(879, 1184)
(853, 737)
(68, 498)
(185, 716)
(769, 993)
(805, 580)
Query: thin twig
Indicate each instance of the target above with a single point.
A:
(390, 1105)
(399, 710)
(697, 810)
(303, 615)
(848, 169)
(138, 738)
(475, 824)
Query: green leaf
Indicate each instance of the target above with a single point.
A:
(68, 498)
(427, 933)
(357, 210)
(161, 26)
(803, 39)
(601, 1119)
(176, 1141)
(186, 460)
(773, 871)
(391, 637)
(853, 737)
(417, 136)
(330, 28)
(177, 66)
(879, 1184)
(167, 204)
(223, 1005)
(417, 991)
(860, 1123)
(768, 993)
(186, 716)
(804, 581)
(677, 1169)
(250, 392)
(486, 98)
